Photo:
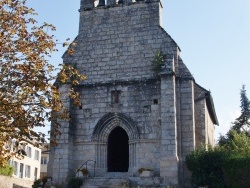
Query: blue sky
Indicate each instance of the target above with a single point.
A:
(214, 37)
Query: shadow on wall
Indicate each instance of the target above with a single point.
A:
(18, 186)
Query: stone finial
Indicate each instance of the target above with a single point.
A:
(87, 4)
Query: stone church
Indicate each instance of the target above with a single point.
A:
(132, 117)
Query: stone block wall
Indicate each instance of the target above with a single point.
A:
(204, 125)
(139, 101)
(148, 155)
(60, 161)
(200, 117)
(209, 128)
(169, 158)
(119, 43)
(187, 117)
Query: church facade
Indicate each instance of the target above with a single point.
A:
(132, 117)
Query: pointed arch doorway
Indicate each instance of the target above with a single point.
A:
(118, 150)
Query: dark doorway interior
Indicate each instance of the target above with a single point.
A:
(118, 151)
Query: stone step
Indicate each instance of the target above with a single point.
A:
(105, 183)
(116, 175)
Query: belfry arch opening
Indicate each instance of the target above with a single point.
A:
(118, 150)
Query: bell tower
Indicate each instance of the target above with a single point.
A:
(104, 15)
(90, 4)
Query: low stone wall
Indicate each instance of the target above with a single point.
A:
(10, 182)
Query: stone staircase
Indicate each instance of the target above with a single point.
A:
(102, 182)
(122, 180)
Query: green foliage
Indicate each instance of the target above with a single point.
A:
(7, 170)
(44, 179)
(237, 170)
(75, 182)
(226, 165)
(242, 122)
(36, 183)
(206, 167)
(84, 171)
(237, 165)
(235, 149)
(140, 170)
(158, 62)
(238, 143)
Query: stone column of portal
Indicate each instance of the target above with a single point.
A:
(61, 155)
(169, 159)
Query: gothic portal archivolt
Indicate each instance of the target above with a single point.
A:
(103, 135)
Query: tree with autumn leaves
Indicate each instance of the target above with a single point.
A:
(27, 93)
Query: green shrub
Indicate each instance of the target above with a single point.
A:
(75, 182)
(236, 166)
(84, 171)
(237, 142)
(206, 167)
(237, 170)
(36, 183)
(7, 170)
(140, 170)
(222, 166)
(157, 62)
